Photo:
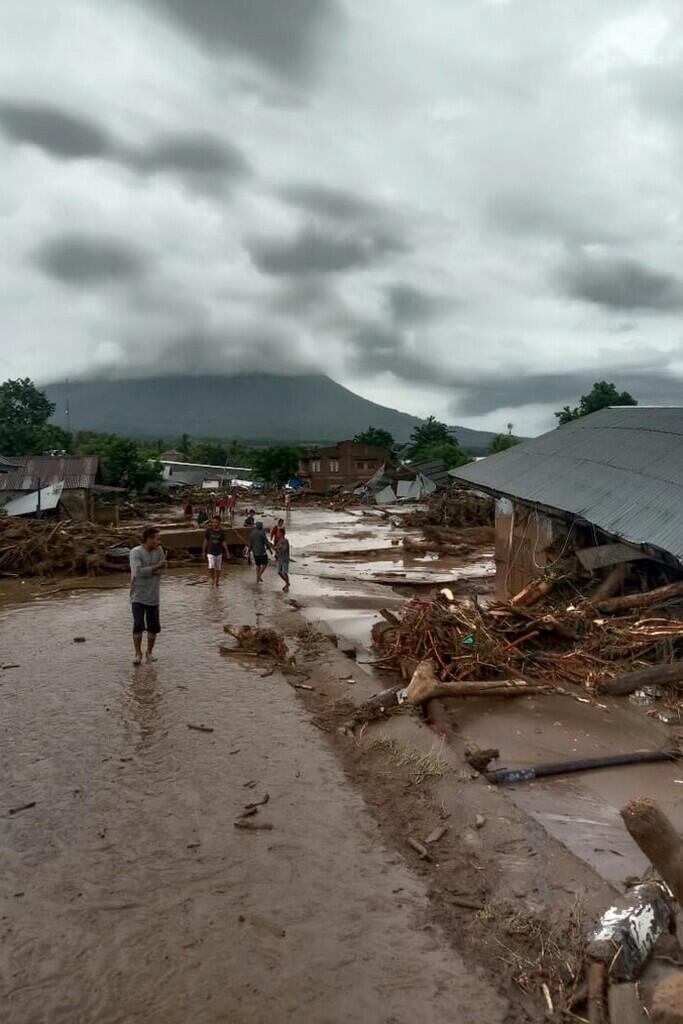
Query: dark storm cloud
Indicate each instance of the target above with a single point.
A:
(79, 259)
(199, 349)
(282, 35)
(409, 305)
(315, 252)
(199, 158)
(192, 154)
(375, 348)
(650, 386)
(620, 284)
(337, 204)
(53, 129)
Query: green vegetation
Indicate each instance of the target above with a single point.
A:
(377, 437)
(433, 440)
(502, 442)
(600, 397)
(24, 415)
(276, 465)
(122, 461)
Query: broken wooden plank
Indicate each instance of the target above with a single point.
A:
(604, 555)
(624, 1005)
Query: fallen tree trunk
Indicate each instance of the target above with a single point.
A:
(629, 682)
(659, 841)
(425, 686)
(619, 604)
(533, 592)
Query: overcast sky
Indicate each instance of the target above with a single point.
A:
(463, 207)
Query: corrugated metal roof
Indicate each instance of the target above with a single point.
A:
(620, 468)
(45, 471)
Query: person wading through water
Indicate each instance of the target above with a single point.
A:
(282, 551)
(259, 545)
(146, 564)
(214, 548)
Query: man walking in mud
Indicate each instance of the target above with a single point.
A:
(259, 546)
(147, 561)
(214, 549)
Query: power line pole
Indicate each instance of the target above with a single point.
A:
(68, 410)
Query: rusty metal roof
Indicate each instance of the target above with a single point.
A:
(620, 469)
(44, 471)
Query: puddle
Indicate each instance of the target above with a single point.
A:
(580, 810)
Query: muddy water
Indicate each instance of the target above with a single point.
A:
(581, 810)
(343, 591)
(126, 893)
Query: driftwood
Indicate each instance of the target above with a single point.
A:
(662, 675)
(597, 980)
(659, 841)
(533, 592)
(618, 604)
(425, 686)
(624, 1004)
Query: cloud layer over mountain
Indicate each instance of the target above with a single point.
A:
(470, 208)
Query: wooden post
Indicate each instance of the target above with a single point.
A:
(659, 841)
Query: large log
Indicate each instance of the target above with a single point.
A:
(425, 686)
(629, 682)
(659, 841)
(619, 604)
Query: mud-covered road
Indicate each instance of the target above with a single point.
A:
(127, 895)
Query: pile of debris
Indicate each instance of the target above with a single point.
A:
(35, 547)
(45, 547)
(458, 507)
(447, 540)
(259, 642)
(553, 644)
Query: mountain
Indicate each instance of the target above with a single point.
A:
(249, 407)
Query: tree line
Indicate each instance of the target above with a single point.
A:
(25, 429)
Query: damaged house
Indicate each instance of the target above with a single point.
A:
(599, 498)
(345, 464)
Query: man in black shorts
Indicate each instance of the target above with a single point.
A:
(259, 545)
(146, 564)
(214, 549)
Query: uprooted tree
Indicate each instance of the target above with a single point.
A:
(602, 395)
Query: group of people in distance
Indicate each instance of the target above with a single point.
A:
(215, 549)
(217, 505)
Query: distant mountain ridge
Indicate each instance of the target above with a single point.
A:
(262, 408)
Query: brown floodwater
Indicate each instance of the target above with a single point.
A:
(127, 895)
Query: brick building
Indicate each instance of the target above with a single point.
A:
(341, 465)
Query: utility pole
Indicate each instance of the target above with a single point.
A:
(68, 410)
